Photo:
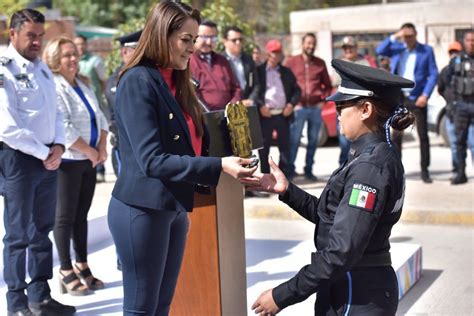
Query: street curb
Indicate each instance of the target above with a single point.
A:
(283, 212)
(438, 218)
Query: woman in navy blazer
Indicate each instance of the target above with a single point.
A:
(163, 143)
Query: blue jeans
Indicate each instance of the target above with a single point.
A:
(311, 115)
(29, 208)
(344, 144)
(150, 245)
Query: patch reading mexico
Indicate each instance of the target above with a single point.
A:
(363, 196)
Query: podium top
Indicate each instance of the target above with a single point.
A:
(220, 144)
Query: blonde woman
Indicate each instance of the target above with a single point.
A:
(86, 133)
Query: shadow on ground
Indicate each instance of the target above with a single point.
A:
(427, 279)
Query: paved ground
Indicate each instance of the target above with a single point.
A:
(437, 216)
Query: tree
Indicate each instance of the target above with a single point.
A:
(8, 7)
(224, 15)
(108, 13)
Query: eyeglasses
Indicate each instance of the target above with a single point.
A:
(205, 38)
(345, 104)
(235, 40)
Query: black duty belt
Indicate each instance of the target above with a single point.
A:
(373, 260)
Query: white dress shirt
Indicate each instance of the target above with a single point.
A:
(30, 118)
(238, 68)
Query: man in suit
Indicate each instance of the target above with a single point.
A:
(217, 83)
(415, 61)
(279, 94)
(242, 64)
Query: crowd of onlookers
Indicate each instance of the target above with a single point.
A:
(71, 137)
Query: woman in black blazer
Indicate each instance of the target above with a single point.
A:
(163, 143)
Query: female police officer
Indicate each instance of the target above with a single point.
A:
(351, 270)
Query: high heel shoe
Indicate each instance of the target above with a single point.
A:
(86, 276)
(78, 289)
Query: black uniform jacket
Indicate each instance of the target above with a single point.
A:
(354, 217)
(159, 167)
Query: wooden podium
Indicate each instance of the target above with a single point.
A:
(212, 280)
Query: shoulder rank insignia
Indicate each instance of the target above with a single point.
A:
(363, 196)
(2, 80)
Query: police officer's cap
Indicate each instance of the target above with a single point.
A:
(364, 81)
(130, 40)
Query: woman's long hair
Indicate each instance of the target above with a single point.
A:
(162, 20)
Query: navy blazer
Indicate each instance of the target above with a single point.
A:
(426, 72)
(159, 167)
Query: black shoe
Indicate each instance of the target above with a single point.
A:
(51, 307)
(310, 177)
(460, 178)
(256, 194)
(23, 312)
(425, 176)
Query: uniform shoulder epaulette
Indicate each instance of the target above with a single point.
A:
(4, 60)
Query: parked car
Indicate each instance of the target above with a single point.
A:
(328, 128)
(436, 116)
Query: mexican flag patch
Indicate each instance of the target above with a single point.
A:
(363, 196)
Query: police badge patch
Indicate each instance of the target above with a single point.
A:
(363, 196)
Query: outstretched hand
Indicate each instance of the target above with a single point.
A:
(273, 182)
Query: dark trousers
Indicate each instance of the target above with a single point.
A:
(76, 185)
(281, 125)
(422, 129)
(361, 291)
(150, 245)
(463, 117)
(29, 204)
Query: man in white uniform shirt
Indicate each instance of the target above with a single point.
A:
(31, 145)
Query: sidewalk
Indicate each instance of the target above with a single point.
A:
(436, 203)
(278, 242)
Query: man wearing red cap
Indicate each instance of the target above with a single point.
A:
(278, 95)
(313, 80)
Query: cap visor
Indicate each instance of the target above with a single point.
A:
(339, 96)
